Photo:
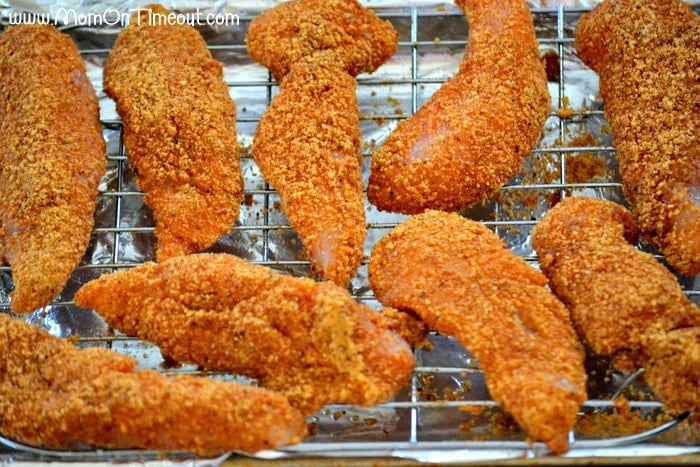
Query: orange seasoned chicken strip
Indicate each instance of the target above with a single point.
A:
(51, 161)
(463, 281)
(623, 302)
(648, 57)
(310, 341)
(307, 142)
(53, 394)
(179, 130)
(476, 130)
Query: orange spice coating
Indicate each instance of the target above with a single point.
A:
(648, 57)
(478, 128)
(615, 292)
(51, 161)
(620, 298)
(463, 281)
(674, 369)
(55, 395)
(179, 130)
(307, 142)
(356, 38)
(306, 146)
(310, 341)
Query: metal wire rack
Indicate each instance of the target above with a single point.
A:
(446, 406)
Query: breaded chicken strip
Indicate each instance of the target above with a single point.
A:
(179, 130)
(673, 370)
(648, 57)
(51, 161)
(310, 341)
(623, 302)
(478, 128)
(463, 281)
(55, 395)
(307, 142)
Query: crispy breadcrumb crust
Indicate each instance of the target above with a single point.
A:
(179, 131)
(308, 340)
(51, 161)
(53, 394)
(648, 57)
(462, 280)
(307, 142)
(622, 300)
(475, 132)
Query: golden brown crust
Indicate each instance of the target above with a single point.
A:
(309, 340)
(460, 278)
(477, 129)
(648, 57)
(179, 131)
(51, 161)
(307, 142)
(55, 395)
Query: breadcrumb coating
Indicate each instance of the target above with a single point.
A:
(461, 279)
(357, 39)
(306, 146)
(623, 301)
(179, 130)
(53, 394)
(475, 131)
(51, 161)
(307, 142)
(648, 57)
(673, 370)
(308, 340)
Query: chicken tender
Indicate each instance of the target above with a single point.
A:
(55, 395)
(310, 341)
(179, 130)
(623, 302)
(51, 161)
(475, 132)
(461, 279)
(648, 57)
(615, 292)
(674, 368)
(307, 142)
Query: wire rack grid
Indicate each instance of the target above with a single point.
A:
(446, 400)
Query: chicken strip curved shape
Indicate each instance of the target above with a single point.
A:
(51, 161)
(179, 130)
(310, 341)
(461, 279)
(475, 131)
(307, 142)
(620, 298)
(647, 55)
(56, 395)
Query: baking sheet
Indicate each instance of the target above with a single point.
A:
(446, 400)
